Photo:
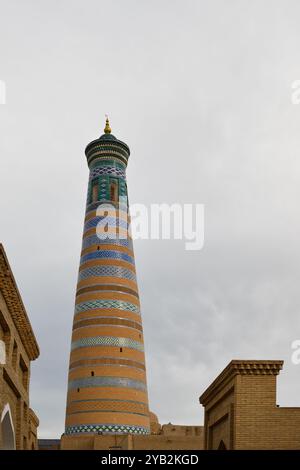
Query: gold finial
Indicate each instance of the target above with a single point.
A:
(107, 128)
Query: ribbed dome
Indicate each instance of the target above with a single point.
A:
(107, 137)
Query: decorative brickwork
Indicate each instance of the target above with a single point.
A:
(107, 382)
(104, 304)
(107, 428)
(241, 410)
(107, 390)
(107, 341)
(11, 295)
(18, 423)
(107, 321)
(107, 271)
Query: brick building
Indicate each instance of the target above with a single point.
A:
(165, 437)
(18, 346)
(241, 410)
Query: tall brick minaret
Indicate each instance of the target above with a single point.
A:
(107, 390)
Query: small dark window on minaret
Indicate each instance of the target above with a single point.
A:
(121, 349)
(92, 373)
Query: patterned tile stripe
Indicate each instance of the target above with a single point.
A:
(111, 361)
(108, 162)
(112, 233)
(107, 288)
(107, 254)
(99, 160)
(107, 210)
(120, 382)
(111, 321)
(107, 428)
(111, 366)
(94, 232)
(107, 405)
(105, 149)
(95, 240)
(108, 341)
(107, 170)
(106, 303)
(110, 221)
(107, 156)
(107, 271)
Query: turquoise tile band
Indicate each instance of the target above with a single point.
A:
(120, 382)
(110, 341)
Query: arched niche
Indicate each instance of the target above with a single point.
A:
(222, 445)
(7, 429)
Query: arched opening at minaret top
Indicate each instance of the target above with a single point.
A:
(114, 191)
(95, 193)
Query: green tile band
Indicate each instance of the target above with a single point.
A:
(109, 341)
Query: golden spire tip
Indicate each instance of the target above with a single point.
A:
(107, 128)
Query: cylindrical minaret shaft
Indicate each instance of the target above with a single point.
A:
(107, 390)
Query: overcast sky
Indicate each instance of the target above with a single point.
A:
(201, 92)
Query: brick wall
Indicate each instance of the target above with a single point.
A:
(241, 410)
(14, 380)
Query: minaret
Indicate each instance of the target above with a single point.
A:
(107, 390)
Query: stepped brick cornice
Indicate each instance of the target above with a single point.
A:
(12, 297)
(241, 367)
